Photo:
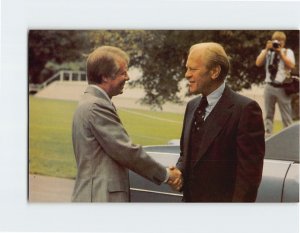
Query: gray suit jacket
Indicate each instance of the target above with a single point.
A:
(104, 152)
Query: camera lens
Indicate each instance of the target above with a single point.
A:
(276, 44)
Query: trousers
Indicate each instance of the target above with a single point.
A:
(273, 95)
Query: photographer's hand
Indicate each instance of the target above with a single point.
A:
(260, 60)
(269, 45)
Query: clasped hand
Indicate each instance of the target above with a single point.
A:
(175, 180)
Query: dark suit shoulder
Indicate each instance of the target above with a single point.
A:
(194, 101)
(243, 99)
(239, 99)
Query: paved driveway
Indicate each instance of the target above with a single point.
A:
(49, 189)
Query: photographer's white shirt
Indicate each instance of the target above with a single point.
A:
(282, 72)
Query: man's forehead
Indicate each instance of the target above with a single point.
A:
(197, 53)
(122, 62)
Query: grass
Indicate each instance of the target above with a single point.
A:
(151, 128)
(50, 143)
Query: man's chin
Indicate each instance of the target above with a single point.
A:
(121, 92)
(193, 92)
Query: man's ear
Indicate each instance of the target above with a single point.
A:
(215, 72)
(105, 79)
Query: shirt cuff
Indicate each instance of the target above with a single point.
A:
(167, 175)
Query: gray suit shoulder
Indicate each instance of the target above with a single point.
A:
(89, 101)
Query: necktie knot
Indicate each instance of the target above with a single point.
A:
(203, 103)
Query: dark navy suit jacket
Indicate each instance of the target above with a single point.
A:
(230, 161)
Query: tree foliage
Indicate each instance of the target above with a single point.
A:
(165, 52)
(56, 46)
(159, 54)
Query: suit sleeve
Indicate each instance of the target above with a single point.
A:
(250, 153)
(110, 133)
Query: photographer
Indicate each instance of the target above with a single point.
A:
(278, 63)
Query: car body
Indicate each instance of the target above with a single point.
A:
(280, 181)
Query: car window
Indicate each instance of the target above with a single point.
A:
(284, 145)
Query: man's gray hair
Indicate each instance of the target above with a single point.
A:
(214, 55)
(104, 61)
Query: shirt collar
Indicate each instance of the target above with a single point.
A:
(213, 97)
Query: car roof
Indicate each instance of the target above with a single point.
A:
(174, 149)
(284, 145)
(281, 146)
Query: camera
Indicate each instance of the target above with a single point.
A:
(276, 44)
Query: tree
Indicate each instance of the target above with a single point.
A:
(130, 41)
(159, 54)
(53, 46)
(164, 55)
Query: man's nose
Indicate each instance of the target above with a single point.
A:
(187, 74)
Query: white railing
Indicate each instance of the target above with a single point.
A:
(63, 75)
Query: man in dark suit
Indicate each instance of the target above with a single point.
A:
(103, 150)
(222, 142)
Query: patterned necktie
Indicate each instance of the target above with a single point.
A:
(273, 67)
(199, 114)
(196, 133)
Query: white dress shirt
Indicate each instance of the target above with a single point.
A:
(213, 99)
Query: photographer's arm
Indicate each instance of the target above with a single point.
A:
(287, 61)
(260, 60)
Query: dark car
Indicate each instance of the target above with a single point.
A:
(280, 181)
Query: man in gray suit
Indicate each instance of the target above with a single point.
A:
(102, 147)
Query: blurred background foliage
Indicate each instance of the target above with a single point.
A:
(159, 54)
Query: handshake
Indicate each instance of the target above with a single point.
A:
(175, 178)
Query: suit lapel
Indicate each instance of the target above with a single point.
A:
(188, 124)
(216, 121)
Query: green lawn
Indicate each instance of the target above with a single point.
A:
(50, 145)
